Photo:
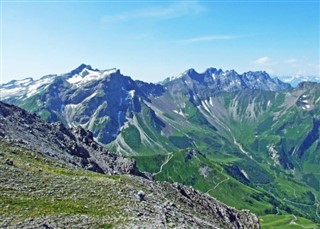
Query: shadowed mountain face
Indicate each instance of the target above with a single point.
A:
(100, 101)
(255, 130)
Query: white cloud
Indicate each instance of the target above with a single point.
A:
(161, 12)
(208, 38)
(291, 61)
(265, 60)
(266, 64)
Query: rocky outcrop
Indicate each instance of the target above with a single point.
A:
(75, 146)
(212, 210)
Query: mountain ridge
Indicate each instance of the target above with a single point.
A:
(62, 93)
(83, 67)
(243, 80)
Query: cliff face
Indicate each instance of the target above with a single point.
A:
(43, 184)
(75, 146)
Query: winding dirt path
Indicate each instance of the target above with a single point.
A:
(170, 155)
(217, 185)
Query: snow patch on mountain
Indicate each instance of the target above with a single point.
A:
(34, 88)
(306, 107)
(87, 75)
(12, 92)
(206, 106)
(269, 103)
(244, 174)
(131, 94)
(25, 88)
(179, 112)
(211, 101)
(274, 154)
(15, 83)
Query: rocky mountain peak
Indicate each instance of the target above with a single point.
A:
(212, 70)
(191, 72)
(80, 68)
(231, 72)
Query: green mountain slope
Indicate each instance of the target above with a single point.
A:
(282, 196)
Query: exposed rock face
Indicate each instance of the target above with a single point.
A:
(214, 81)
(211, 209)
(75, 146)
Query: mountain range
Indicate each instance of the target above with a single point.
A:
(249, 140)
(296, 79)
(104, 101)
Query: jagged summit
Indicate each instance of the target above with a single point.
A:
(218, 80)
(79, 69)
(85, 73)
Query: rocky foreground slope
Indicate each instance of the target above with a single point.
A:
(43, 184)
(75, 146)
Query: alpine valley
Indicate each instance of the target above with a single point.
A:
(248, 140)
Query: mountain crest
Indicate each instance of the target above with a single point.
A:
(213, 81)
(80, 69)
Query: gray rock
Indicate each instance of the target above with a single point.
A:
(141, 195)
(9, 162)
(75, 146)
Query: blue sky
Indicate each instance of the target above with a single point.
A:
(152, 40)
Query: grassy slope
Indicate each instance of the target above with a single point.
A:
(300, 190)
(286, 222)
(35, 186)
(214, 180)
